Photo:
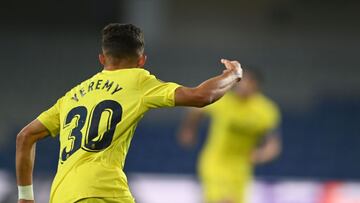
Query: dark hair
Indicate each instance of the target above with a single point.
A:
(254, 74)
(122, 41)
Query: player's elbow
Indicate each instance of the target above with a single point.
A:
(275, 149)
(203, 99)
(23, 138)
(194, 97)
(278, 150)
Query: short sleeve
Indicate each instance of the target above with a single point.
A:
(157, 93)
(51, 119)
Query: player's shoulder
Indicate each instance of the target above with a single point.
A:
(143, 73)
(224, 102)
(266, 102)
(139, 71)
(134, 73)
(146, 77)
(230, 98)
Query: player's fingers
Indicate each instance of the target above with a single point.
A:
(239, 70)
(236, 63)
(237, 67)
(228, 64)
(224, 61)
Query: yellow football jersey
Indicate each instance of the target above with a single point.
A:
(236, 128)
(95, 122)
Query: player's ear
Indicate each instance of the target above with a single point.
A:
(102, 59)
(142, 60)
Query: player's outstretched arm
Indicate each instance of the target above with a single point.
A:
(188, 130)
(212, 89)
(25, 156)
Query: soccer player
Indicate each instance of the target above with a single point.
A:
(243, 132)
(96, 120)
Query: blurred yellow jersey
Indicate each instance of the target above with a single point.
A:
(236, 128)
(95, 122)
(238, 124)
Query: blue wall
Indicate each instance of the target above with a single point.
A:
(323, 143)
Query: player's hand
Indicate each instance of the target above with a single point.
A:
(234, 66)
(258, 157)
(255, 157)
(26, 201)
(186, 138)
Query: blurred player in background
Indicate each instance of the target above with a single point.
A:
(96, 121)
(243, 132)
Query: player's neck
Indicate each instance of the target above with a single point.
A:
(246, 96)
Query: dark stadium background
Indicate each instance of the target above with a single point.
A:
(307, 50)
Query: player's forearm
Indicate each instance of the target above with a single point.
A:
(25, 150)
(192, 120)
(25, 156)
(214, 88)
(188, 131)
(268, 152)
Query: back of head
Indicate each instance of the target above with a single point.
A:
(122, 41)
(250, 83)
(254, 74)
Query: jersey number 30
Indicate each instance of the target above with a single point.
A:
(93, 141)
